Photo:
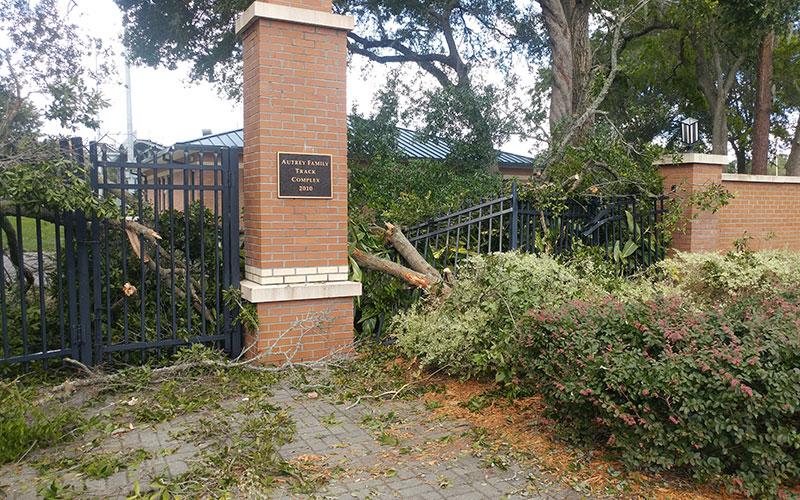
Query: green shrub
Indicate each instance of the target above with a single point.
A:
(715, 393)
(473, 331)
(406, 192)
(712, 278)
(25, 425)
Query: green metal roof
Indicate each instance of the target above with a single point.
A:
(408, 141)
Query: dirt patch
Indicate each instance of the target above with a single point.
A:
(521, 425)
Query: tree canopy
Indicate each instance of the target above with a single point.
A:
(556, 66)
(44, 76)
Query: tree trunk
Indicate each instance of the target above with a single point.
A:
(719, 127)
(741, 159)
(404, 247)
(763, 106)
(581, 56)
(562, 64)
(567, 26)
(793, 162)
(716, 83)
(410, 276)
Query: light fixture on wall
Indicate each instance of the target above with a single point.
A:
(689, 132)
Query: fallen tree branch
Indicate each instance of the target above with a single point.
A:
(421, 274)
(404, 247)
(406, 274)
(167, 273)
(7, 206)
(96, 378)
(395, 393)
(14, 252)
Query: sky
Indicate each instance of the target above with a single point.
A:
(168, 107)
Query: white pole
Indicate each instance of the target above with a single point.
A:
(131, 136)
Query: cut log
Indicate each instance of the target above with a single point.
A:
(406, 274)
(404, 247)
(420, 274)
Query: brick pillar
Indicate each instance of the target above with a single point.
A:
(295, 61)
(683, 176)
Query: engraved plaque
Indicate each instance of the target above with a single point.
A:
(304, 175)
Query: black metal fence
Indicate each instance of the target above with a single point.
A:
(129, 286)
(626, 228)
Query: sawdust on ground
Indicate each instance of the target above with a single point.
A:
(521, 425)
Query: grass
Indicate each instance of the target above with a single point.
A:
(29, 235)
(26, 425)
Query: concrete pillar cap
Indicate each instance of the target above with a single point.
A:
(695, 158)
(292, 14)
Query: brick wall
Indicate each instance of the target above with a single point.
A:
(765, 208)
(768, 211)
(702, 228)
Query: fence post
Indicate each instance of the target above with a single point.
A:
(233, 240)
(514, 216)
(85, 337)
(97, 297)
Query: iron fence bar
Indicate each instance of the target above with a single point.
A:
(144, 346)
(124, 161)
(84, 298)
(36, 356)
(72, 294)
(97, 330)
(479, 205)
(107, 261)
(157, 208)
(186, 249)
(202, 216)
(458, 244)
(227, 251)
(59, 280)
(142, 292)
(534, 226)
(472, 221)
(21, 282)
(40, 273)
(500, 228)
(218, 241)
(447, 238)
(152, 187)
(233, 240)
(173, 282)
(514, 216)
(123, 177)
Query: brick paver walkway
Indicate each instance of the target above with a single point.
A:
(390, 449)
